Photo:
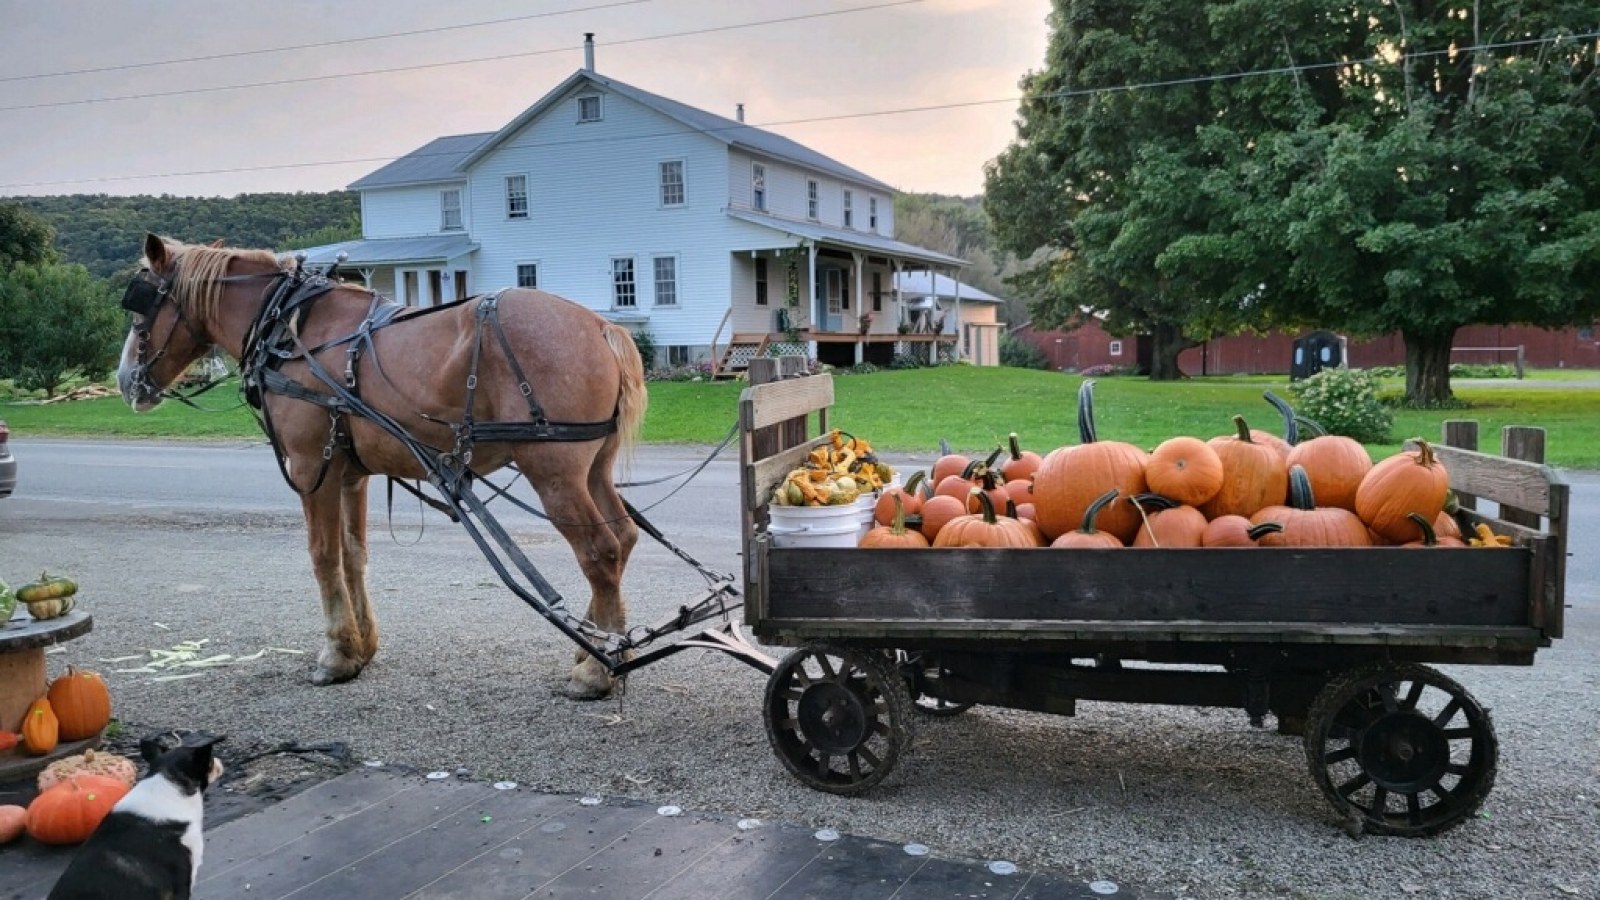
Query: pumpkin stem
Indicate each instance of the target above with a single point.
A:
(1086, 434)
(1310, 426)
(1011, 508)
(986, 506)
(944, 447)
(1093, 512)
(1430, 538)
(1425, 457)
(1291, 428)
(1016, 446)
(1300, 496)
(1244, 429)
(1257, 532)
(898, 526)
(1154, 501)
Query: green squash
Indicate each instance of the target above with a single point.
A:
(8, 603)
(48, 587)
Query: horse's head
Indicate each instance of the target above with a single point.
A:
(173, 301)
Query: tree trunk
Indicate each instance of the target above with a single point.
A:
(1428, 367)
(1166, 342)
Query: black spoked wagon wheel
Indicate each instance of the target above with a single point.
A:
(1400, 748)
(923, 677)
(839, 719)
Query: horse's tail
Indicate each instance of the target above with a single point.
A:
(631, 396)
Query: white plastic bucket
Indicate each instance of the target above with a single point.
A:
(820, 526)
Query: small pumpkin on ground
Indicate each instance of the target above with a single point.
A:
(1088, 536)
(40, 729)
(89, 762)
(1412, 481)
(895, 534)
(81, 702)
(70, 811)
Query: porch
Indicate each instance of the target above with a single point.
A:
(835, 348)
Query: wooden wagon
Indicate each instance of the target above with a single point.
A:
(1336, 643)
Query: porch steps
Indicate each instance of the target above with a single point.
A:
(735, 357)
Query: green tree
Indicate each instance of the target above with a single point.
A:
(24, 237)
(54, 319)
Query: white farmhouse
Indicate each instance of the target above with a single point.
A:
(720, 239)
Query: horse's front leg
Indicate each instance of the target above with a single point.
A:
(353, 509)
(341, 657)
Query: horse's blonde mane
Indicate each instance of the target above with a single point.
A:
(198, 270)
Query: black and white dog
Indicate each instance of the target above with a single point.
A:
(150, 845)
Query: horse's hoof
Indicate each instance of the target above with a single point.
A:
(325, 676)
(585, 684)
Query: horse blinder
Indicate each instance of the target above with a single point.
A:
(143, 296)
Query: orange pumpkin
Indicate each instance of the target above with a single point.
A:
(69, 812)
(895, 534)
(1167, 523)
(13, 821)
(1020, 490)
(82, 704)
(984, 529)
(1307, 525)
(1236, 531)
(1088, 537)
(1445, 525)
(911, 495)
(1412, 481)
(1185, 469)
(949, 463)
(1431, 538)
(1071, 478)
(1021, 464)
(40, 729)
(1335, 465)
(937, 513)
(1253, 475)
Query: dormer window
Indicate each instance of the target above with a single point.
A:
(589, 108)
(812, 205)
(758, 187)
(450, 210)
(849, 213)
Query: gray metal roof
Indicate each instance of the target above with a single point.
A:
(386, 251)
(438, 160)
(723, 129)
(846, 237)
(941, 287)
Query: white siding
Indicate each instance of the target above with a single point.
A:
(788, 197)
(409, 211)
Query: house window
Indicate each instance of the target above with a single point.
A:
(678, 354)
(672, 183)
(835, 287)
(877, 292)
(872, 213)
(589, 109)
(758, 187)
(666, 281)
(450, 210)
(761, 282)
(849, 214)
(624, 292)
(1116, 348)
(811, 200)
(527, 275)
(516, 196)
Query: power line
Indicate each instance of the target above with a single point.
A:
(450, 63)
(1052, 95)
(353, 40)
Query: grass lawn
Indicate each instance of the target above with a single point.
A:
(972, 408)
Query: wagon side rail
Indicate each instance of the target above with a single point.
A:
(1528, 494)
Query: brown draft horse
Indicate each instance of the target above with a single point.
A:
(581, 367)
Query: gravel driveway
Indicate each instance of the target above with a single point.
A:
(1184, 800)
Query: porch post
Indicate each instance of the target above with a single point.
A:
(859, 261)
(956, 310)
(811, 248)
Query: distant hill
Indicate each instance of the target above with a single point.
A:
(105, 234)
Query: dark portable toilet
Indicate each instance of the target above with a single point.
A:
(1314, 352)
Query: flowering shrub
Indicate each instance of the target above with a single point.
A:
(1345, 401)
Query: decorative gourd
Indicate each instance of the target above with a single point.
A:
(1335, 464)
(984, 529)
(1021, 464)
(1185, 469)
(70, 811)
(82, 704)
(1071, 478)
(1412, 481)
(51, 608)
(8, 603)
(1253, 475)
(1431, 538)
(911, 496)
(1307, 525)
(89, 763)
(13, 821)
(895, 533)
(937, 513)
(48, 587)
(1088, 537)
(1167, 523)
(1236, 531)
(40, 730)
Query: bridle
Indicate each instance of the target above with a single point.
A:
(144, 297)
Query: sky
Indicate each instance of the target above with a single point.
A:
(159, 119)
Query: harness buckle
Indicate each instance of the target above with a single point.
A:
(526, 388)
